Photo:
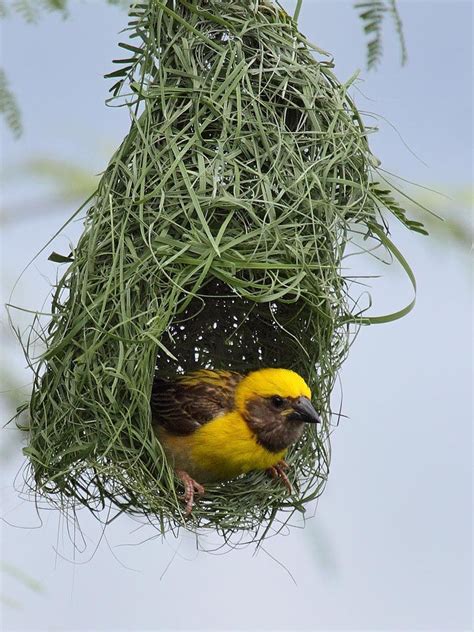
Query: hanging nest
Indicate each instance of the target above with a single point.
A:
(215, 239)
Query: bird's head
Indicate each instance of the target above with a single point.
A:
(275, 403)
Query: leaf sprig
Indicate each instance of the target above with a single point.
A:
(372, 13)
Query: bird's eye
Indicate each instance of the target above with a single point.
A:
(277, 401)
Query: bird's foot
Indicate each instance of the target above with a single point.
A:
(191, 487)
(278, 471)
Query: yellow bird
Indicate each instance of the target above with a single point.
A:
(216, 425)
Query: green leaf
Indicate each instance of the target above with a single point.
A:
(372, 13)
(9, 106)
(58, 258)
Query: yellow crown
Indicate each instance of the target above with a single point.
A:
(268, 382)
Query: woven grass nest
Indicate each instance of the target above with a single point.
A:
(215, 239)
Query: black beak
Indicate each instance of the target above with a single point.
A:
(304, 411)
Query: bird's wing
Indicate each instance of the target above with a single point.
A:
(185, 404)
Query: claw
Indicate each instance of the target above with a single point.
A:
(191, 487)
(278, 471)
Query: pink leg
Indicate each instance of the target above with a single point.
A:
(190, 488)
(278, 471)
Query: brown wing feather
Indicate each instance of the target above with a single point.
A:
(183, 405)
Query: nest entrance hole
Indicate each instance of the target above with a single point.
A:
(220, 329)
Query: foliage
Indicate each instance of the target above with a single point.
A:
(31, 10)
(215, 238)
(386, 199)
(372, 13)
(8, 106)
(16, 574)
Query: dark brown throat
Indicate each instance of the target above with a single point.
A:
(273, 431)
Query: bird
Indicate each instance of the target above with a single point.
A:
(215, 425)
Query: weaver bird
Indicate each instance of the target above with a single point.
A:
(216, 425)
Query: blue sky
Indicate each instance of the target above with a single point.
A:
(390, 546)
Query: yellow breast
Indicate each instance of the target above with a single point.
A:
(219, 450)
